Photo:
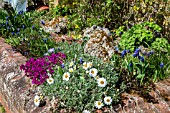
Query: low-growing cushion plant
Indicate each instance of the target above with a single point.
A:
(84, 83)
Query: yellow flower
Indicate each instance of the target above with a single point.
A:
(74, 3)
(135, 8)
(41, 97)
(76, 26)
(88, 19)
(63, 6)
(151, 19)
(73, 36)
(71, 70)
(79, 36)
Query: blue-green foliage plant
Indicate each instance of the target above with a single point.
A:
(146, 67)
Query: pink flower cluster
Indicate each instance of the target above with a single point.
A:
(38, 69)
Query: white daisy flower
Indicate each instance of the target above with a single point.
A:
(66, 76)
(89, 64)
(50, 80)
(71, 70)
(85, 66)
(102, 82)
(86, 111)
(108, 100)
(41, 97)
(37, 100)
(98, 104)
(93, 72)
(71, 64)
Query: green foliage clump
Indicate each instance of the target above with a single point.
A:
(161, 44)
(146, 34)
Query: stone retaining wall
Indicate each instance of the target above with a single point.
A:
(17, 93)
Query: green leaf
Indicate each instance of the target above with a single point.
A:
(60, 71)
(140, 76)
(155, 76)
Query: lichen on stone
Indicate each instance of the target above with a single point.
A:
(100, 44)
(56, 25)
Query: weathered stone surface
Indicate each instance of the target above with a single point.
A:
(136, 104)
(16, 91)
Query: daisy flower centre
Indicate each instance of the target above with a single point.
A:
(102, 82)
(99, 103)
(85, 65)
(107, 100)
(66, 76)
(92, 72)
(36, 100)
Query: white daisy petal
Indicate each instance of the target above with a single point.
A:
(102, 82)
(98, 104)
(66, 76)
(85, 66)
(93, 72)
(37, 100)
(50, 80)
(108, 100)
(89, 64)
